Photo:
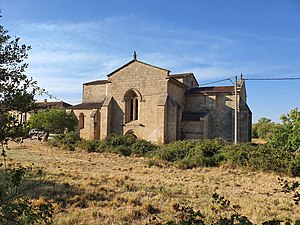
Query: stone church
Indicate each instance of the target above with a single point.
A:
(151, 103)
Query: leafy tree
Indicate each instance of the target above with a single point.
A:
(16, 95)
(53, 120)
(262, 129)
(286, 135)
(16, 89)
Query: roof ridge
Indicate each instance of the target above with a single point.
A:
(132, 61)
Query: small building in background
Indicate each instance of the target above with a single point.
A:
(48, 105)
(41, 105)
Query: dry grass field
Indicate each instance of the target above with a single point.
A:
(102, 188)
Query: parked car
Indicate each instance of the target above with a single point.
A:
(36, 134)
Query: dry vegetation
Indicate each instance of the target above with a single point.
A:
(103, 188)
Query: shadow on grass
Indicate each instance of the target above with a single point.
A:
(34, 186)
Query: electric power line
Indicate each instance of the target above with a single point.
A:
(217, 81)
(280, 78)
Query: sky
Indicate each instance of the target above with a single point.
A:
(74, 42)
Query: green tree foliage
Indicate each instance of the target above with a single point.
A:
(16, 89)
(53, 120)
(16, 95)
(286, 135)
(262, 129)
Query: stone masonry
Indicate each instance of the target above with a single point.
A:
(148, 102)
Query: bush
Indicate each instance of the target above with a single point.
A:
(142, 147)
(204, 153)
(237, 154)
(68, 141)
(286, 135)
(125, 145)
(89, 145)
(294, 166)
(190, 154)
(175, 151)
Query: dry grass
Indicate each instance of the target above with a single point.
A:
(100, 188)
(258, 141)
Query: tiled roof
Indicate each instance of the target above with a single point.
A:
(46, 105)
(190, 116)
(97, 82)
(214, 89)
(87, 105)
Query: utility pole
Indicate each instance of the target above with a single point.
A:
(235, 112)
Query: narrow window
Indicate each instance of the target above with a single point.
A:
(131, 118)
(81, 121)
(131, 106)
(136, 109)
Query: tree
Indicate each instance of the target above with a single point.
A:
(16, 94)
(286, 135)
(16, 89)
(53, 120)
(262, 129)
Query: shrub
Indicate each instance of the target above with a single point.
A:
(262, 157)
(237, 154)
(68, 141)
(142, 147)
(125, 145)
(204, 153)
(267, 158)
(120, 144)
(189, 154)
(89, 145)
(119, 140)
(175, 151)
(294, 166)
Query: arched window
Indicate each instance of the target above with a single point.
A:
(131, 106)
(81, 121)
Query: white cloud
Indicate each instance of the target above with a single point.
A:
(67, 54)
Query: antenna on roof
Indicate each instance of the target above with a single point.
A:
(134, 55)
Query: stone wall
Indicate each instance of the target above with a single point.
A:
(94, 93)
(174, 112)
(195, 103)
(149, 83)
(161, 102)
(221, 121)
(85, 131)
(220, 107)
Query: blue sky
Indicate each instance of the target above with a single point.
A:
(84, 40)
